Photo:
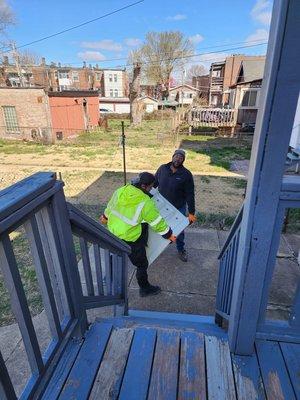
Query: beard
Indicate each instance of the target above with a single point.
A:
(177, 164)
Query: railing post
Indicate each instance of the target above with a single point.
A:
(279, 97)
(64, 230)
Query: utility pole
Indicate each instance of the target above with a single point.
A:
(17, 61)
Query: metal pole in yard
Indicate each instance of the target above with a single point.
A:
(123, 145)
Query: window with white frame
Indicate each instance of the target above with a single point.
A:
(249, 98)
(110, 77)
(115, 78)
(216, 73)
(11, 120)
(75, 76)
(116, 93)
(63, 74)
(111, 93)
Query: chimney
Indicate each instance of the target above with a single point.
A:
(84, 64)
(43, 62)
(5, 60)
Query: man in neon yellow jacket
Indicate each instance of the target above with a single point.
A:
(128, 214)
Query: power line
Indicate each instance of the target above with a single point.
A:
(73, 27)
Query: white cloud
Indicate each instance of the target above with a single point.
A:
(106, 44)
(262, 11)
(177, 17)
(91, 56)
(195, 39)
(132, 42)
(258, 35)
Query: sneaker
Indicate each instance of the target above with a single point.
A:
(183, 256)
(149, 291)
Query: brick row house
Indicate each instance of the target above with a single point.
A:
(34, 114)
(57, 78)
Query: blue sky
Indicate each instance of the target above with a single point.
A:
(208, 23)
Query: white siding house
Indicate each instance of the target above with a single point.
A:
(183, 94)
(113, 83)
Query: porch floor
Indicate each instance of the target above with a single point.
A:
(136, 358)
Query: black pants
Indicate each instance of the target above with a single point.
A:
(138, 257)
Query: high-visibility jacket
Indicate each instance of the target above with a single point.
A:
(127, 209)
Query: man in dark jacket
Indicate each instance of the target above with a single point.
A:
(176, 184)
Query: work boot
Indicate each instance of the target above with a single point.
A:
(149, 290)
(182, 256)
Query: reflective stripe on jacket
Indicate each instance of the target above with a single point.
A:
(127, 209)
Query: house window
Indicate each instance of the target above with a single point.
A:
(10, 117)
(115, 77)
(110, 77)
(75, 76)
(249, 98)
(98, 76)
(216, 73)
(111, 93)
(116, 93)
(191, 95)
(63, 75)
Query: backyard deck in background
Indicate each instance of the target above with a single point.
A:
(134, 358)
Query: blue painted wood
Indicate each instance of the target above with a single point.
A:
(192, 373)
(98, 268)
(19, 304)
(82, 375)
(86, 266)
(165, 316)
(7, 391)
(65, 237)
(138, 370)
(62, 370)
(248, 381)
(220, 380)
(280, 90)
(291, 354)
(22, 192)
(164, 378)
(273, 369)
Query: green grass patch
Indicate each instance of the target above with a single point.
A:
(222, 157)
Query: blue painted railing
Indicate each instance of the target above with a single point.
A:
(227, 266)
(37, 204)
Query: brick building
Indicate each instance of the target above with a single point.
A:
(73, 112)
(55, 77)
(33, 114)
(25, 114)
(225, 74)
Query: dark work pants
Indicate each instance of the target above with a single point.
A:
(180, 238)
(138, 257)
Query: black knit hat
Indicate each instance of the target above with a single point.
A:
(181, 152)
(144, 178)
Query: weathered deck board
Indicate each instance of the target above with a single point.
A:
(247, 378)
(79, 382)
(163, 384)
(274, 373)
(192, 375)
(220, 381)
(291, 354)
(110, 374)
(62, 371)
(135, 385)
(160, 362)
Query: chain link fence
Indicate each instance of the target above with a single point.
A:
(218, 198)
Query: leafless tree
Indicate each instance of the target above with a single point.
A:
(27, 57)
(7, 16)
(160, 54)
(195, 70)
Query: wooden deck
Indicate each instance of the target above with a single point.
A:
(134, 359)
